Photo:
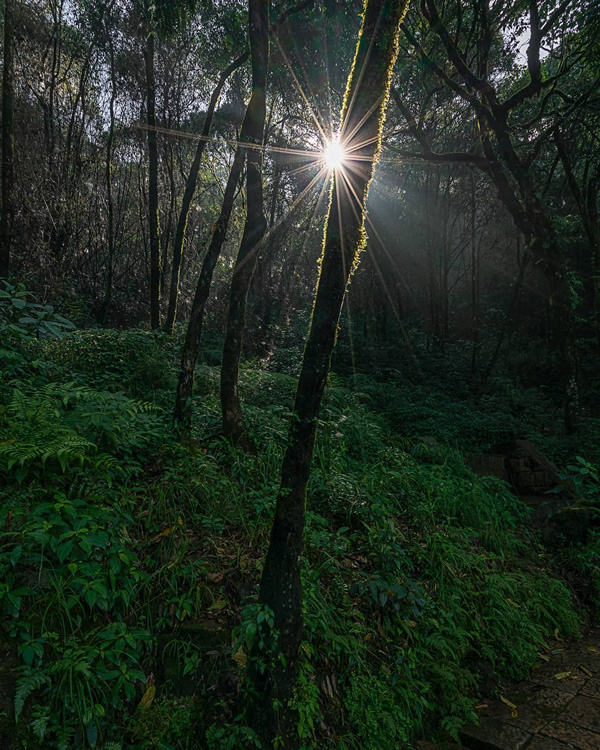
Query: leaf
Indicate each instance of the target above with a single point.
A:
(592, 649)
(92, 733)
(514, 713)
(586, 671)
(148, 697)
(507, 702)
(481, 706)
(240, 658)
(556, 635)
(15, 555)
(167, 532)
(251, 631)
(562, 675)
(218, 605)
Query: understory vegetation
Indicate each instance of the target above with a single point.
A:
(130, 563)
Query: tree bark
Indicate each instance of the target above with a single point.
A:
(362, 118)
(255, 226)
(190, 189)
(8, 143)
(110, 261)
(153, 220)
(182, 415)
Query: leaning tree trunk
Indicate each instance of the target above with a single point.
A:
(182, 415)
(190, 189)
(153, 222)
(7, 176)
(363, 115)
(254, 229)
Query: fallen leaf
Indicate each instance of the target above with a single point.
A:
(586, 671)
(219, 604)
(592, 649)
(562, 675)
(148, 697)
(240, 657)
(544, 657)
(507, 702)
(514, 713)
(556, 635)
(481, 706)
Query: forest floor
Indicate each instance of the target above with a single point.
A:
(131, 563)
(556, 708)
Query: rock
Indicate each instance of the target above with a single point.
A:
(492, 734)
(571, 524)
(489, 465)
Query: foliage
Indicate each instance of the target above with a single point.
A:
(23, 322)
(139, 362)
(125, 555)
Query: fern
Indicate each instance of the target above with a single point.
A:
(32, 679)
(72, 424)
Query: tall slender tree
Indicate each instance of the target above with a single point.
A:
(254, 227)
(160, 17)
(153, 219)
(7, 154)
(190, 189)
(362, 118)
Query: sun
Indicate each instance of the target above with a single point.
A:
(333, 154)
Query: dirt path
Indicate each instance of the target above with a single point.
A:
(556, 708)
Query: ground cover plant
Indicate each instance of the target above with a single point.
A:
(130, 564)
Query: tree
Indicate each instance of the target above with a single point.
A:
(507, 155)
(7, 172)
(190, 189)
(362, 119)
(254, 227)
(162, 17)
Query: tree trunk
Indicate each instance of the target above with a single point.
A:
(363, 114)
(475, 344)
(190, 189)
(254, 228)
(110, 261)
(182, 415)
(8, 144)
(153, 221)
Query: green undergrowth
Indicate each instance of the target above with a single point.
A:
(130, 565)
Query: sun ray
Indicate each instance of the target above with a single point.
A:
(282, 220)
(299, 87)
(348, 114)
(349, 136)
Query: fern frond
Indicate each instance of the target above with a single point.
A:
(31, 680)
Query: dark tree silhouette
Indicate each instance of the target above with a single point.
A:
(362, 118)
